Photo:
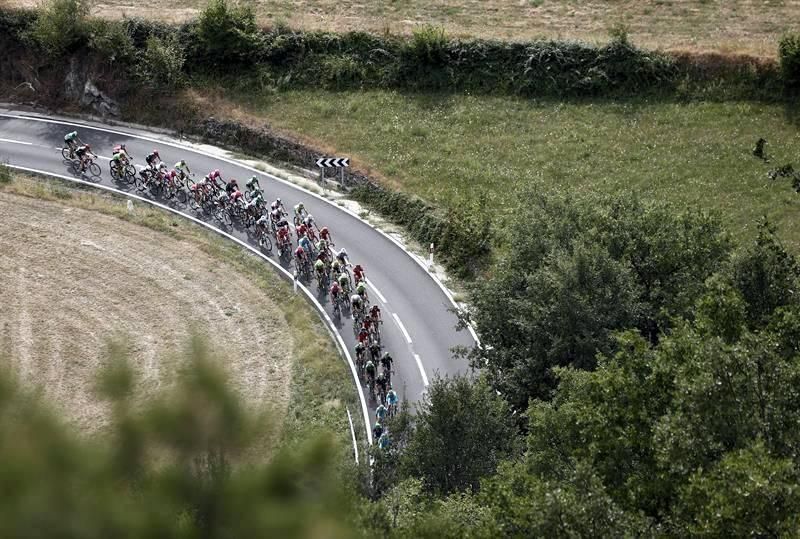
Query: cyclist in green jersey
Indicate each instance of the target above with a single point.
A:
(253, 187)
(319, 267)
(72, 141)
(183, 169)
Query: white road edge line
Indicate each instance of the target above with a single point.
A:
(353, 433)
(16, 141)
(329, 323)
(402, 328)
(380, 296)
(187, 146)
(421, 371)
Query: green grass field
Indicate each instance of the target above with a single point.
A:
(449, 148)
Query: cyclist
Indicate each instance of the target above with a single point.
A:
(377, 430)
(361, 290)
(254, 206)
(342, 256)
(122, 152)
(261, 223)
(355, 303)
(217, 177)
(369, 371)
(380, 412)
(375, 313)
(392, 401)
(183, 169)
(384, 442)
(152, 159)
(299, 213)
(300, 257)
(301, 230)
(322, 247)
(319, 268)
(375, 350)
(118, 162)
(335, 292)
(283, 237)
(358, 273)
(381, 383)
(305, 243)
(344, 282)
(386, 362)
(360, 349)
(173, 177)
(253, 187)
(325, 234)
(222, 199)
(238, 198)
(363, 335)
(231, 186)
(72, 141)
(84, 153)
(278, 205)
(309, 221)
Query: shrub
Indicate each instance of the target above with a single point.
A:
(112, 40)
(428, 45)
(789, 54)
(5, 174)
(226, 35)
(60, 26)
(161, 63)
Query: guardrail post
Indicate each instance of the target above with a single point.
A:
(341, 169)
(430, 260)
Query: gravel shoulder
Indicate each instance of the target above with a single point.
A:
(71, 278)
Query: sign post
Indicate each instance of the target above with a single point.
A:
(430, 259)
(331, 162)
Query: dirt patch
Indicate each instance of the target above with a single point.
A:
(71, 278)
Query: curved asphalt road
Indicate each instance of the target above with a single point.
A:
(419, 328)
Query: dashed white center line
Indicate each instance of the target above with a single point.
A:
(16, 141)
(378, 292)
(402, 328)
(421, 370)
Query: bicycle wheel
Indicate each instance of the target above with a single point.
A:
(113, 169)
(94, 169)
(142, 182)
(65, 154)
(193, 203)
(265, 242)
(182, 196)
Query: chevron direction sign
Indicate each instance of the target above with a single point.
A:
(327, 162)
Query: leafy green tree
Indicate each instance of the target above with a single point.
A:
(749, 493)
(766, 275)
(160, 65)
(524, 505)
(463, 430)
(578, 270)
(60, 25)
(227, 35)
(186, 464)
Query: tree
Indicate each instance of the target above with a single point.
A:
(173, 467)
(60, 25)
(463, 430)
(749, 493)
(578, 270)
(766, 275)
(227, 36)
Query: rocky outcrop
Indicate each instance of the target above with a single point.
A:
(98, 101)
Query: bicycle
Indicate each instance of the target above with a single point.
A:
(87, 166)
(264, 240)
(125, 173)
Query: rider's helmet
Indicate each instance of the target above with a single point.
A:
(121, 146)
(358, 268)
(323, 245)
(87, 147)
(385, 355)
(343, 252)
(309, 218)
(162, 165)
(278, 201)
(253, 178)
(323, 231)
(155, 152)
(233, 181)
(300, 206)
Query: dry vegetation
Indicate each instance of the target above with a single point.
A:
(70, 278)
(729, 26)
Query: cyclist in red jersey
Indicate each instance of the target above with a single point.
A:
(363, 335)
(325, 234)
(375, 312)
(358, 273)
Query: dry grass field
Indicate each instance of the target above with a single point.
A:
(728, 26)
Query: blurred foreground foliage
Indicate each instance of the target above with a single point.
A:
(176, 466)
